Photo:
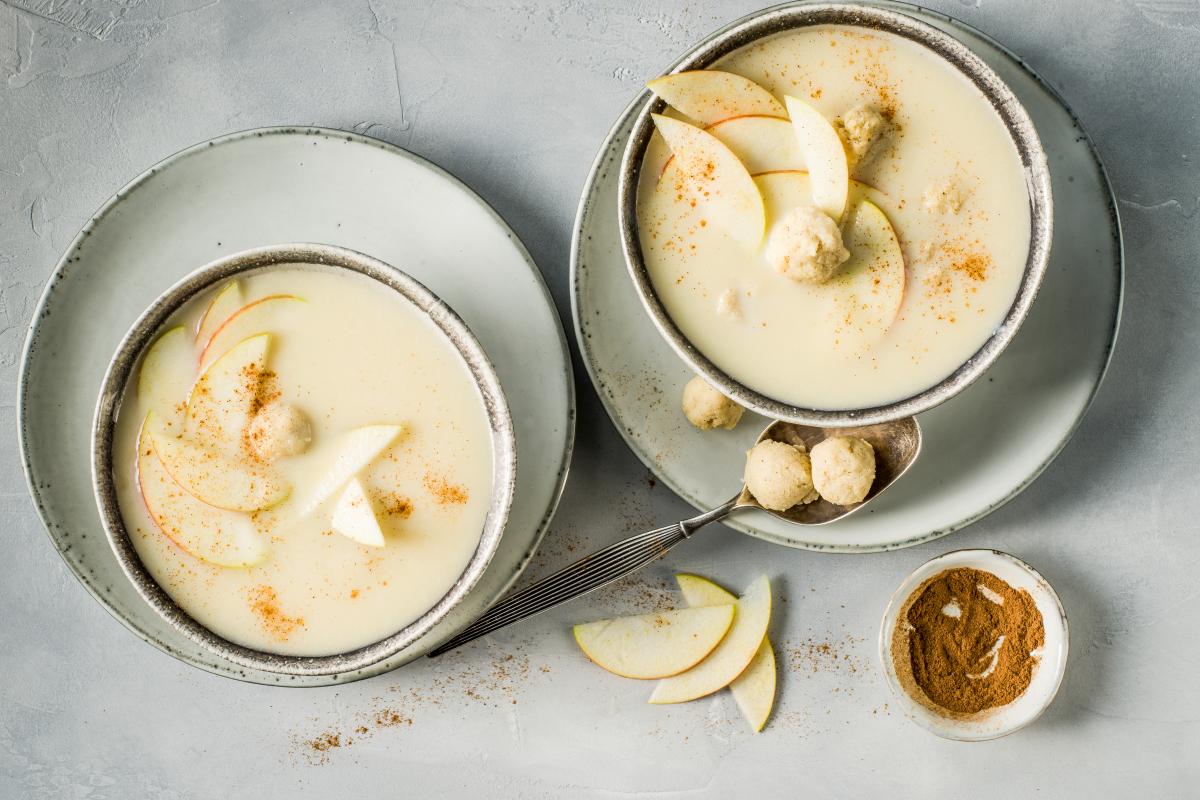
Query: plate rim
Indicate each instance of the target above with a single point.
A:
(1119, 262)
(41, 506)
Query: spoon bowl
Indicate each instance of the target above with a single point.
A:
(896, 444)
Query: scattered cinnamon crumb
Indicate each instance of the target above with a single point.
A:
(394, 505)
(264, 601)
(444, 492)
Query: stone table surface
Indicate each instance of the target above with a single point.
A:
(515, 96)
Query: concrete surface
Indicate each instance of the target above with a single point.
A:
(515, 97)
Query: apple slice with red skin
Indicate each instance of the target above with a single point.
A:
(231, 484)
(220, 308)
(211, 534)
(225, 397)
(864, 299)
(253, 317)
(710, 95)
(762, 144)
(705, 171)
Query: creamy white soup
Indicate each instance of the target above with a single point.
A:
(303, 461)
(934, 217)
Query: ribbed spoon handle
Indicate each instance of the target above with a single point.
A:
(585, 575)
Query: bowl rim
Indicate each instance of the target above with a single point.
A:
(128, 357)
(890, 618)
(1013, 115)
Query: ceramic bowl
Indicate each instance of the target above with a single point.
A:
(1047, 677)
(123, 368)
(1020, 128)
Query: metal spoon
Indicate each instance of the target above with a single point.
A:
(896, 445)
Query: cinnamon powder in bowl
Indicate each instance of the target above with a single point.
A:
(974, 644)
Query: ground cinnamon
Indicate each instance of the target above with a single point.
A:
(968, 641)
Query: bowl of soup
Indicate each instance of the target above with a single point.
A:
(836, 214)
(303, 458)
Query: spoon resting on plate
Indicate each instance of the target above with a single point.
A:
(896, 446)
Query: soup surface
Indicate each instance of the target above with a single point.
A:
(303, 461)
(945, 174)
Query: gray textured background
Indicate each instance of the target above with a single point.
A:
(515, 97)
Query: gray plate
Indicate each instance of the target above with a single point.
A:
(980, 449)
(267, 187)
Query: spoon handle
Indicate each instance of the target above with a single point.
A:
(585, 575)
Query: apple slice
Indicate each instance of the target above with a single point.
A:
(705, 171)
(863, 300)
(730, 658)
(655, 645)
(657, 153)
(219, 309)
(354, 517)
(762, 144)
(223, 400)
(754, 689)
(167, 372)
(252, 318)
(824, 154)
(211, 534)
(357, 449)
(709, 95)
(213, 479)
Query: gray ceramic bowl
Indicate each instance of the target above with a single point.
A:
(1037, 175)
(123, 367)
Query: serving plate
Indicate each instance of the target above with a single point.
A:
(981, 448)
(265, 187)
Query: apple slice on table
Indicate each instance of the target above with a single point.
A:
(354, 517)
(219, 309)
(221, 537)
(824, 154)
(754, 689)
(655, 645)
(762, 144)
(709, 95)
(223, 399)
(166, 374)
(731, 657)
(357, 449)
(212, 478)
(252, 318)
(707, 172)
